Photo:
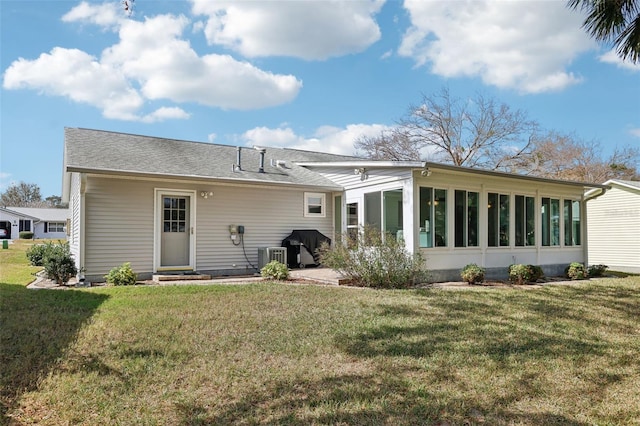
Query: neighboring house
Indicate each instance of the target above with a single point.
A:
(614, 226)
(165, 205)
(43, 222)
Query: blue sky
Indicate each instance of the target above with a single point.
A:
(305, 74)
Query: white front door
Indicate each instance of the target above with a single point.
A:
(174, 229)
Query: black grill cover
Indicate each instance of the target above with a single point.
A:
(310, 238)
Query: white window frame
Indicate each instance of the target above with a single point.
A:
(59, 226)
(322, 205)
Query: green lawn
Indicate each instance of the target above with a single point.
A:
(298, 354)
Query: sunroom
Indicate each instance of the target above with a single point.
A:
(455, 215)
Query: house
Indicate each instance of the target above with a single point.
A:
(613, 224)
(172, 205)
(43, 222)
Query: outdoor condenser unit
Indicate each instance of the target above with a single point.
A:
(268, 254)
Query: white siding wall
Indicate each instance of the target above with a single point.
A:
(119, 223)
(347, 179)
(75, 209)
(614, 229)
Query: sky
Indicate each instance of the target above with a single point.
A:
(312, 75)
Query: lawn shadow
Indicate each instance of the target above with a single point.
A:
(36, 326)
(518, 334)
(359, 399)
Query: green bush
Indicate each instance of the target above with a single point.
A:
(58, 263)
(522, 274)
(576, 271)
(121, 275)
(372, 259)
(597, 270)
(275, 270)
(536, 272)
(25, 235)
(37, 253)
(472, 273)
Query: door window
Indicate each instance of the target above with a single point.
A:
(174, 214)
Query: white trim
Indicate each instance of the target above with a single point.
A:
(157, 214)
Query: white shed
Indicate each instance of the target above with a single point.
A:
(613, 224)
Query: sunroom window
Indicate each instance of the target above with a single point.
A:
(550, 222)
(498, 220)
(571, 223)
(433, 217)
(466, 218)
(525, 221)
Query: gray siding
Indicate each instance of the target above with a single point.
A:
(119, 223)
(614, 229)
(268, 215)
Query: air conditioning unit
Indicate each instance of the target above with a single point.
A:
(268, 254)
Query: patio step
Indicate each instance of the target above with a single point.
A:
(180, 277)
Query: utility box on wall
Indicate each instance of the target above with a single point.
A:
(268, 254)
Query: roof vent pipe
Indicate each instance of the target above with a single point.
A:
(261, 151)
(238, 166)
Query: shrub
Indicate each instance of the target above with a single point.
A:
(536, 272)
(37, 253)
(519, 273)
(25, 235)
(472, 273)
(58, 263)
(522, 274)
(597, 270)
(576, 271)
(372, 259)
(121, 275)
(275, 270)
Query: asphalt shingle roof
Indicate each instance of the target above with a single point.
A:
(88, 150)
(46, 214)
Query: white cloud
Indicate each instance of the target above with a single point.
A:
(79, 76)
(165, 113)
(104, 15)
(151, 61)
(334, 140)
(635, 132)
(522, 45)
(611, 57)
(312, 30)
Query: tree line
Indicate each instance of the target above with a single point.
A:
(24, 194)
(482, 132)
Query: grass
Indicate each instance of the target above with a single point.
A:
(293, 354)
